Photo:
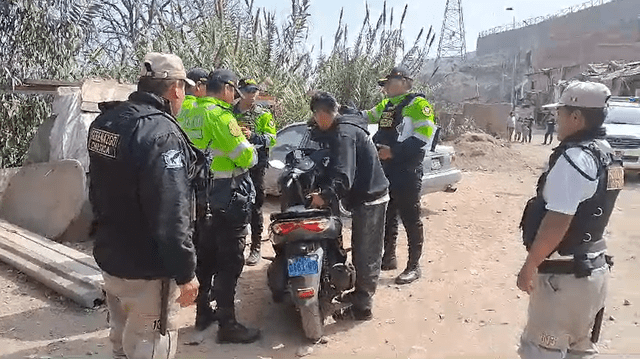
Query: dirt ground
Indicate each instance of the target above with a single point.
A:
(465, 306)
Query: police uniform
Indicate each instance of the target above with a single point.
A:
(213, 128)
(263, 136)
(567, 302)
(141, 173)
(406, 124)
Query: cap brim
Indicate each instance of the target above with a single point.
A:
(250, 88)
(553, 105)
(382, 82)
(189, 82)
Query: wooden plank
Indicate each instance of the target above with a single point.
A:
(63, 269)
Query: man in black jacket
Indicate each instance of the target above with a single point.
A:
(141, 173)
(355, 176)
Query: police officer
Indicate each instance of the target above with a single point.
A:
(213, 127)
(566, 270)
(199, 89)
(356, 177)
(141, 171)
(260, 129)
(406, 126)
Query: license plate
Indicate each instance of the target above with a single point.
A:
(435, 164)
(300, 266)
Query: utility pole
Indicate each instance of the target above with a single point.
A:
(452, 37)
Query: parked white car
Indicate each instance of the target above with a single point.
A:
(439, 172)
(622, 124)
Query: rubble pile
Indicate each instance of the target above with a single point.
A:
(476, 151)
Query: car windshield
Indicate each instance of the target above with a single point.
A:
(623, 115)
(291, 136)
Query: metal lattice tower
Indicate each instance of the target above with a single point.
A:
(452, 37)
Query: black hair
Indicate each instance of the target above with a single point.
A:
(323, 101)
(155, 86)
(594, 117)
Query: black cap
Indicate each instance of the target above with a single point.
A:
(198, 75)
(223, 76)
(248, 85)
(398, 72)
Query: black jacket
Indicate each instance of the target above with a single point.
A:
(141, 173)
(355, 173)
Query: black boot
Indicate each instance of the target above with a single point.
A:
(254, 253)
(230, 331)
(411, 274)
(205, 316)
(389, 261)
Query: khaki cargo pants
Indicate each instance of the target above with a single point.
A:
(562, 311)
(134, 315)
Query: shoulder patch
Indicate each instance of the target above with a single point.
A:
(235, 129)
(426, 110)
(272, 124)
(173, 159)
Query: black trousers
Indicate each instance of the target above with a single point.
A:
(366, 242)
(548, 135)
(257, 221)
(405, 204)
(219, 250)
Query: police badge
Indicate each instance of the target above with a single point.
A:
(234, 129)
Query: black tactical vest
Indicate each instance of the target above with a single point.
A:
(390, 119)
(585, 234)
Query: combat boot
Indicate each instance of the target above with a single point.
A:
(410, 274)
(230, 331)
(389, 261)
(254, 257)
(205, 316)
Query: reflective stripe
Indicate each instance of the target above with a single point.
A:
(228, 174)
(241, 147)
(215, 152)
(381, 200)
(211, 107)
(272, 139)
(254, 157)
(422, 124)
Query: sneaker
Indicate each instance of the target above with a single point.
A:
(352, 313)
(254, 257)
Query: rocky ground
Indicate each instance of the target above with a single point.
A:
(465, 306)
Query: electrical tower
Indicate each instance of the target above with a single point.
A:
(452, 37)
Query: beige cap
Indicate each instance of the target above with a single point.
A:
(164, 66)
(584, 94)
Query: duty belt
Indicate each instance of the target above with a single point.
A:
(569, 266)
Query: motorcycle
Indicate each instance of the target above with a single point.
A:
(310, 263)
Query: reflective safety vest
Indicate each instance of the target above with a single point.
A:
(260, 121)
(417, 117)
(210, 125)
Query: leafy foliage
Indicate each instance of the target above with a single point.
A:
(74, 39)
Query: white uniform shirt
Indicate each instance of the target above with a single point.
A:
(511, 122)
(565, 187)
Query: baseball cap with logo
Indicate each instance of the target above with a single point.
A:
(583, 94)
(248, 85)
(398, 72)
(198, 75)
(224, 76)
(164, 66)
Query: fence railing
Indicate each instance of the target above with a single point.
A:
(539, 19)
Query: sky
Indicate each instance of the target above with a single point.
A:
(479, 15)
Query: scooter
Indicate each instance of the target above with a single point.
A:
(310, 263)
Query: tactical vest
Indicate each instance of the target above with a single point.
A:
(584, 238)
(390, 119)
